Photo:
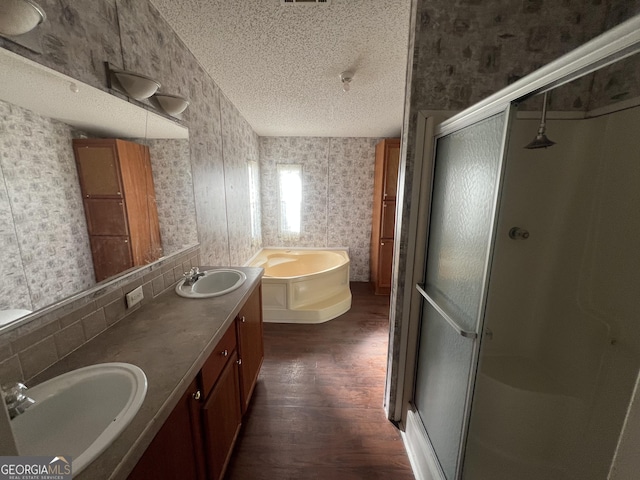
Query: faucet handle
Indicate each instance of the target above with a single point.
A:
(13, 393)
(16, 399)
(192, 272)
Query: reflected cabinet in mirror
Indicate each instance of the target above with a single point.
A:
(119, 203)
(50, 250)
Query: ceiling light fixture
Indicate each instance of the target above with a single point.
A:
(135, 85)
(172, 104)
(18, 17)
(345, 78)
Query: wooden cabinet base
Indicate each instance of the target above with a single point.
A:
(197, 439)
(175, 450)
(222, 416)
(250, 345)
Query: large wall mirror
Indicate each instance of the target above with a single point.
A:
(45, 255)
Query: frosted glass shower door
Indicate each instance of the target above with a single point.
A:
(466, 177)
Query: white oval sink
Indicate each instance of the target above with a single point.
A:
(212, 284)
(80, 413)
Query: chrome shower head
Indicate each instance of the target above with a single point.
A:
(541, 140)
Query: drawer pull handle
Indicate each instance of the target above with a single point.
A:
(225, 353)
(242, 319)
(197, 395)
(239, 361)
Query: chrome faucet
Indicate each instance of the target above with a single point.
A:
(16, 399)
(192, 276)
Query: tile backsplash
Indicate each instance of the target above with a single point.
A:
(56, 331)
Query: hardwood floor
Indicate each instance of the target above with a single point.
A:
(317, 411)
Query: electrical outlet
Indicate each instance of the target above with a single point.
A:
(134, 297)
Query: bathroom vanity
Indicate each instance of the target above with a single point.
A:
(201, 358)
(197, 439)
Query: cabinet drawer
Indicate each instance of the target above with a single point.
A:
(217, 360)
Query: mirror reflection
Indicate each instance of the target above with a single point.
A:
(47, 249)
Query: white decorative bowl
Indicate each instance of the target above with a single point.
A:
(172, 104)
(135, 85)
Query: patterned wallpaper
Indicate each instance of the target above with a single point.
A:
(173, 184)
(47, 214)
(350, 200)
(240, 146)
(337, 186)
(14, 292)
(77, 38)
(616, 83)
(469, 49)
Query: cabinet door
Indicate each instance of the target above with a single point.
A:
(98, 171)
(216, 362)
(386, 262)
(111, 255)
(388, 219)
(142, 213)
(173, 453)
(106, 216)
(155, 250)
(251, 345)
(391, 164)
(221, 417)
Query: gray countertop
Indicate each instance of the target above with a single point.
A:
(169, 339)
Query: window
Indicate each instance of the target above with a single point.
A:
(290, 198)
(254, 201)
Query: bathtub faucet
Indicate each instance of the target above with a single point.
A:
(192, 276)
(16, 399)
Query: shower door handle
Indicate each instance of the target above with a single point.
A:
(461, 331)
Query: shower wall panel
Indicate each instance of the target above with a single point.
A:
(562, 309)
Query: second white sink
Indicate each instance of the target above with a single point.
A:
(80, 413)
(212, 284)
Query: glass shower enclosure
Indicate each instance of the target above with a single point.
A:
(529, 343)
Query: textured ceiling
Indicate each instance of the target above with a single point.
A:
(280, 64)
